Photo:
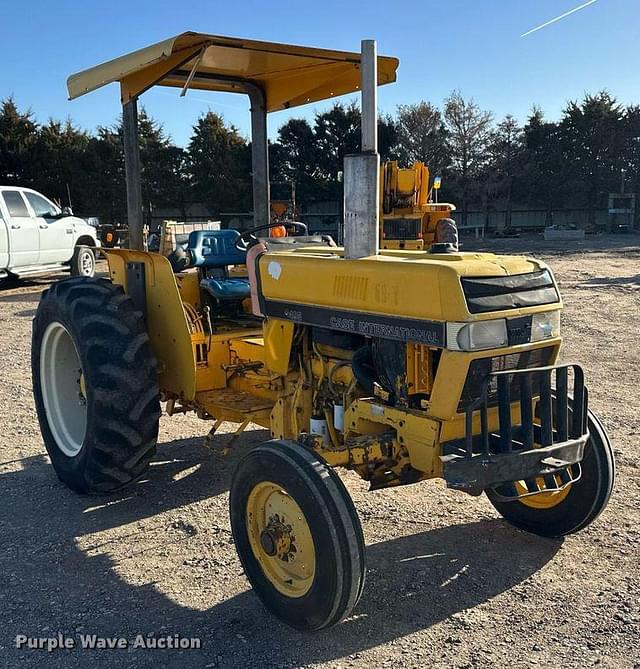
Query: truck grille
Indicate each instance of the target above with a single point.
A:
(402, 228)
(496, 293)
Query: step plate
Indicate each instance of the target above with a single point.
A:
(232, 405)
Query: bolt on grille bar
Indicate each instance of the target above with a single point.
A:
(558, 420)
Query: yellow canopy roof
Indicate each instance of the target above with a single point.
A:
(288, 75)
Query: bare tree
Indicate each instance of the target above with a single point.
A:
(469, 129)
(422, 136)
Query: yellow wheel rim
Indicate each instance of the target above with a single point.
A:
(542, 500)
(281, 539)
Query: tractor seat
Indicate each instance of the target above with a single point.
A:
(227, 289)
(215, 249)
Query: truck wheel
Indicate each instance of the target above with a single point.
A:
(556, 514)
(95, 384)
(83, 262)
(297, 535)
(109, 237)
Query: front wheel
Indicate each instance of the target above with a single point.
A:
(297, 535)
(83, 262)
(558, 513)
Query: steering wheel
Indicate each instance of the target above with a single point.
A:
(247, 239)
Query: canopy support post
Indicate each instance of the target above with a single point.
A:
(133, 173)
(259, 155)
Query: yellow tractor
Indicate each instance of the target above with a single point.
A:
(401, 365)
(409, 217)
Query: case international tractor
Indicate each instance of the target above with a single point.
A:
(401, 365)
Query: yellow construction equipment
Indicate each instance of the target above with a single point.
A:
(409, 217)
(283, 201)
(401, 365)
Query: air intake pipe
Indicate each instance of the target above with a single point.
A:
(362, 170)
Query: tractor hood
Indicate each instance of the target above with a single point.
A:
(412, 290)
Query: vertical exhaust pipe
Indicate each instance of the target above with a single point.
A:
(362, 170)
(369, 88)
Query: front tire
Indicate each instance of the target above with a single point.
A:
(83, 262)
(95, 384)
(297, 535)
(571, 510)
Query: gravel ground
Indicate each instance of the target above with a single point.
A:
(449, 584)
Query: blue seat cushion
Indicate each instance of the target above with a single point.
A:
(227, 289)
(215, 248)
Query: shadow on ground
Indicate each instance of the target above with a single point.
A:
(22, 297)
(32, 296)
(596, 282)
(51, 585)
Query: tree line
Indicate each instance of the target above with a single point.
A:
(484, 162)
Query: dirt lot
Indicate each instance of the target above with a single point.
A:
(449, 583)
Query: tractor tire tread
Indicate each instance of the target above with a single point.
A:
(121, 379)
(328, 507)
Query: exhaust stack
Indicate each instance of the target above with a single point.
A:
(362, 170)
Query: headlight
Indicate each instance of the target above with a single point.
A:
(545, 325)
(477, 336)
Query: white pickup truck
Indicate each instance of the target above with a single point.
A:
(37, 237)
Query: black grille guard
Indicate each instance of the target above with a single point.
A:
(547, 445)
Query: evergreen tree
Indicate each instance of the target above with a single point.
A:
(18, 137)
(506, 154)
(218, 159)
(593, 139)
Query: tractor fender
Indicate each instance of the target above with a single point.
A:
(164, 314)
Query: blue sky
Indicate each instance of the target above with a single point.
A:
(472, 45)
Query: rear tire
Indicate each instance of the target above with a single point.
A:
(95, 384)
(323, 527)
(83, 262)
(585, 500)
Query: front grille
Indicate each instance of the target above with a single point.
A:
(481, 368)
(551, 423)
(402, 228)
(496, 293)
(540, 451)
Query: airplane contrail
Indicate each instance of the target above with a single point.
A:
(558, 18)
